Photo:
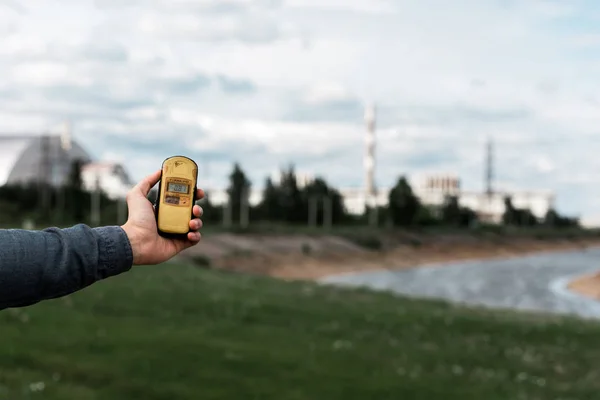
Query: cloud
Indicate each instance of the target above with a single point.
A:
(277, 81)
(233, 85)
(105, 52)
(371, 7)
(246, 29)
(12, 6)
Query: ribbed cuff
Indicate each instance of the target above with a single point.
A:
(116, 255)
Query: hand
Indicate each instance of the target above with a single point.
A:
(147, 245)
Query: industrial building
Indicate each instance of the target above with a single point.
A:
(432, 190)
(489, 205)
(49, 158)
(37, 158)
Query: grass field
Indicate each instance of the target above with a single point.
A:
(177, 332)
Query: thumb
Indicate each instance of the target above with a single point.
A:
(143, 187)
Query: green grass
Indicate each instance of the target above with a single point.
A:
(179, 332)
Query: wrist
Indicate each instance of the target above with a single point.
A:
(134, 242)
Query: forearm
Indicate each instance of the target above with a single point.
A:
(40, 265)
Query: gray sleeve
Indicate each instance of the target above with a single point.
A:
(46, 264)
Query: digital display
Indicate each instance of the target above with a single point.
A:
(172, 200)
(177, 188)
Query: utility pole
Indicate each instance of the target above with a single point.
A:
(45, 174)
(327, 212)
(65, 146)
(96, 203)
(227, 217)
(312, 211)
(244, 207)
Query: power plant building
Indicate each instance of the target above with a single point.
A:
(48, 159)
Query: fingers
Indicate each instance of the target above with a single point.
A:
(198, 211)
(200, 194)
(148, 182)
(196, 224)
(194, 237)
(191, 240)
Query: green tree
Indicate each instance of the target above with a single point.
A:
(77, 199)
(468, 217)
(212, 212)
(455, 215)
(509, 217)
(426, 217)
(318, 191)
(293, 207)
(551, 219)
(75, 180)
(555, 220)
(403, 204)
(451, 211)
(270, 207)
(517, 217)
(526, 218)
(238, 191)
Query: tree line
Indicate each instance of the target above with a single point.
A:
(319, 203)
(65, 205)
(286, 201)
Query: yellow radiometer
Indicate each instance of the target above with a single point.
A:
(176, 196)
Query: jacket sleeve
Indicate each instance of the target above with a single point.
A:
(46, 264)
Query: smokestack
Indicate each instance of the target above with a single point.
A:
(369, 161)
(370, 195)
(65, 136)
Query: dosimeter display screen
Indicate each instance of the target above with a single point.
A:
(178, 188)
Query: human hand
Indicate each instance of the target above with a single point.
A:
(147, 245)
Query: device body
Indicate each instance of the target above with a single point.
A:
(176, 196)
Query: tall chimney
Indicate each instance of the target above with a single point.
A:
(369, 161)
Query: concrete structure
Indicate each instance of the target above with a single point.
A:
(48, 159)
(490, 208)
(489, 205)
(356, 200)
(111, 178)
(28, 158)
(433, 189)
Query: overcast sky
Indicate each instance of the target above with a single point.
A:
(273, 82)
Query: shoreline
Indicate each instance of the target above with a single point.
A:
(587, 286)
(424, 259)
(314, 267)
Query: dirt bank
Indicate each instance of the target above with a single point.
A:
(588, 285)
(312, 257)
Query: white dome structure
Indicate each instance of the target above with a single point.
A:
(32, 159)
(26, 159)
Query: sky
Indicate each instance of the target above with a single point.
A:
(269, 83)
